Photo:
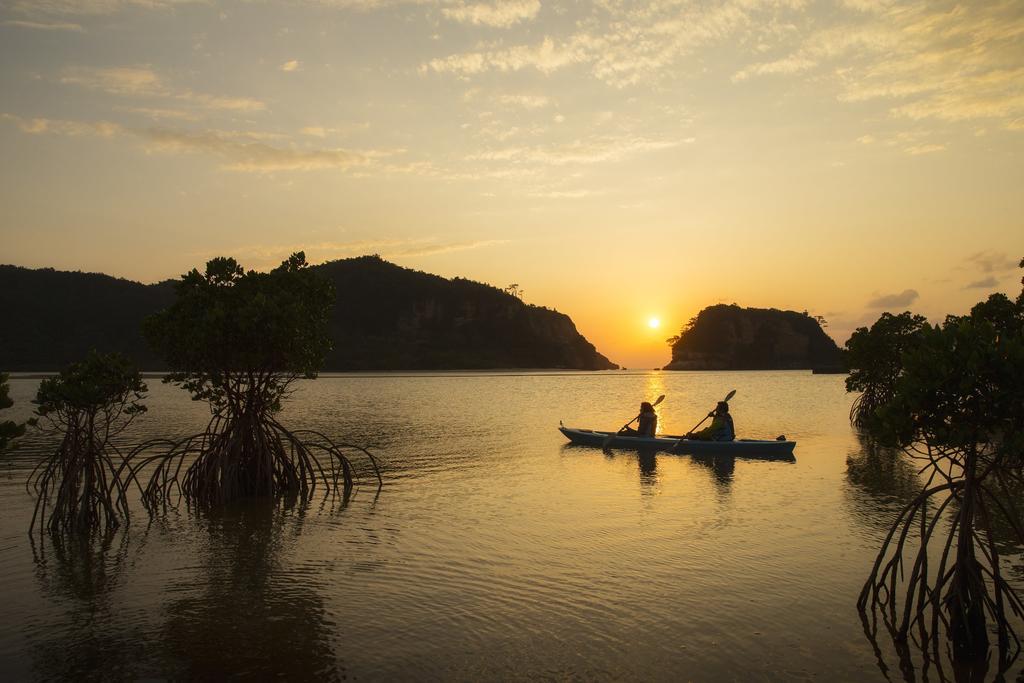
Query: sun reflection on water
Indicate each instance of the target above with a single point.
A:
(655, 388)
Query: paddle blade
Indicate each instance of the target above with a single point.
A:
(730, 395)
(662, 398)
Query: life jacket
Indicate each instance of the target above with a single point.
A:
(648, 425)
(722, 428)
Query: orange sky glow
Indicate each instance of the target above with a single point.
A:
(620, 161)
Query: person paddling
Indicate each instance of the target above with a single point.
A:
(721, 428)
(648, 422)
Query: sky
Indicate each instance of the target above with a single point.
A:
(619, 161)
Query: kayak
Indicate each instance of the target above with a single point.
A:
(744, 448)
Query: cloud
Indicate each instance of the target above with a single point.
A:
(525, 101)
(318, 131)
(141, 81)
(787, 65)
(924, 149)
(89, 7)
(159, 114)
(868, 5)
(546, 57)
(992, 262)
(984, 283)
(290, 65)
(44, 26)
(412, 248)
(628, 43)
(904, 298)
(244, 155)
(563, 194)
(240, 150)
(39, 126)
(263, 256)
(116, 81)
(502, 14)
(923, 60)
(913, 142)
(588, 151)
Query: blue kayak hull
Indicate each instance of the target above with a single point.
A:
(746, 448)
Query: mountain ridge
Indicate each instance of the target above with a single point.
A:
(386, 317)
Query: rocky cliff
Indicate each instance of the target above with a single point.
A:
(733, 338)
(388, 317)
(385, 318)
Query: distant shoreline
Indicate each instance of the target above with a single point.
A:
(331, 374)
(495, 372)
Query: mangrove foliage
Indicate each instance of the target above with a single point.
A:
(875, 357)
(81, 487)
(951, 396)
(238, 340)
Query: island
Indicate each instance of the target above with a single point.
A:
(730, 337)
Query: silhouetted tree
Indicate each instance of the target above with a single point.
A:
(81, 487)
(875, 358)
(9, 430)
(957, 405)
(238, 340)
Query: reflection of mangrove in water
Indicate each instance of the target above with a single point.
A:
(1009, 492)
(883, 482)
(82, 576)
(250, 617)
(884, 479)
(243, 613)
(879, 480)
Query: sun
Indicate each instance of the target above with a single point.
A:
(654, 323)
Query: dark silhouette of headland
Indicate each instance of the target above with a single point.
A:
(729, 337)
(385, 317)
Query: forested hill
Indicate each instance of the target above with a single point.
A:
(388, 317)
(733, 338)
(385, 318)
(52, 318)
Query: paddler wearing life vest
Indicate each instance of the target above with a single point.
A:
(648, 422)
(721, 428)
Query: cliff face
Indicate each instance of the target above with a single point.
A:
(732, 338)
(389, 317)
(385, 318)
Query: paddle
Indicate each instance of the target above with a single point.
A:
(612, 435)
(711, 414)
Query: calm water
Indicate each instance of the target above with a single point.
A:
(494, 551)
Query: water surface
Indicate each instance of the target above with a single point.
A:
(494, 550)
